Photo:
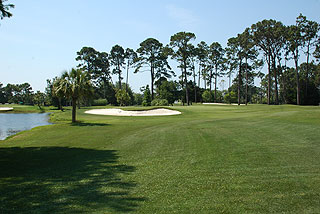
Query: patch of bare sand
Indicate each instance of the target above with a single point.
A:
(120, 112)
(6, 109)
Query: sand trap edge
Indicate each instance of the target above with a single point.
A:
(120, 112)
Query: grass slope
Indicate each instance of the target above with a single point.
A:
(210, 159)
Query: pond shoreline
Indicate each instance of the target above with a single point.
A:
(13, 123)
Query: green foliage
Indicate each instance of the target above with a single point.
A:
(138, 99)
(4, 9)
(75, 85)
(230, 97)
(159, 102)
(207, 96)
(146, 97)
(39, 98)
(123, 97)
(99, 102)
(167, 90)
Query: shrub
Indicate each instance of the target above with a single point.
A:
(159, 102)
(123, 97)
(99, 102)
(146, 97)
(207, 96)
(230, 97)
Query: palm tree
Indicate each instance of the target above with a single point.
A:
(74, 85)
(56, 92)
(4, 9)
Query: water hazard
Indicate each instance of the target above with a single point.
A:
(11, 124)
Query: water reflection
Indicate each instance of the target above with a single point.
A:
(11, 124)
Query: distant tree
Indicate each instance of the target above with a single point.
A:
(154, 56)
(146, 96)
(102, 73)
(268, 37)
(294, 44)
(181, 44)
(123, 97)
(75, 85)
(117, 60)
(87, 57)
(316, 52)
(309, 30)
(166, 90)
(2, 94)
(39, 98)
(131, 57)
(216, 64)
(236, 51)
(202, 55)
(4, 9)
(57, 92)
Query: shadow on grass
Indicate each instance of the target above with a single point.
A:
(64, 180)
(78, 123)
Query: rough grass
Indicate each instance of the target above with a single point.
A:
(209, 159)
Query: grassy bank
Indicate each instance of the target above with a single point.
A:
(209, 159)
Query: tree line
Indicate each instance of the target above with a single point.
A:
(267, 43)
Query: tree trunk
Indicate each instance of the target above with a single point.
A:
(298, 84)
(152, 80)
(269, 79)
(199, 77)
(186, 82)
(195, 85)
(239, 83)
(229, 79)
(246, 99)
(215, 85)
(74, 109)
(127, 77)
(60, 104)
(210, 81)
(275, 80)
(307, 73)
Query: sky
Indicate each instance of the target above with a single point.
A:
(42, 38)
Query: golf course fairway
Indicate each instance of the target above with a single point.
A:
(209, 159)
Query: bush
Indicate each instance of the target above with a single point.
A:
(159, 102)
(99, 102)
(146, 97)
(123, 97)
(207, 96)
(231, 97)
(138, 98)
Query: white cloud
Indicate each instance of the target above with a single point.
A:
(184, 17)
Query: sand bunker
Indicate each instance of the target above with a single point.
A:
(6, 109)
(119, 112)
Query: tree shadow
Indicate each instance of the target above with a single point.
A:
(79, 123)
(64, 180)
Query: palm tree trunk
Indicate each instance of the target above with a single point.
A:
(74, 109)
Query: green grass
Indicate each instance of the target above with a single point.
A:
(209, 159)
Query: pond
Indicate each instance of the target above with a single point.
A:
(11, 124)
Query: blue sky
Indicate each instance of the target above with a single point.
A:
(42, 37)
